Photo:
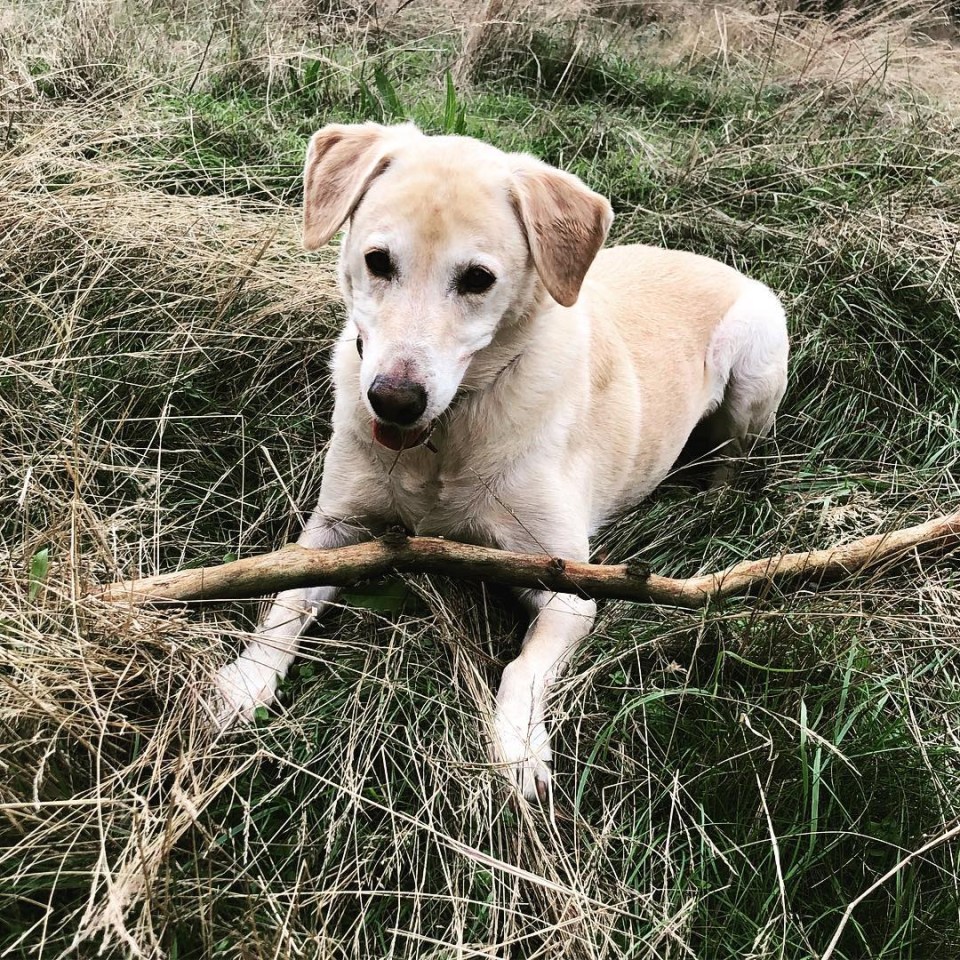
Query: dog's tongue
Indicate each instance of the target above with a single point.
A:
(394, 437)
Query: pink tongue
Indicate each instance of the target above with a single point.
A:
(394, 437)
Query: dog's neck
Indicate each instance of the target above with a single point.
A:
(509, 342)
(487, 393)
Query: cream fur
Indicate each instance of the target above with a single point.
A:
(546, 420)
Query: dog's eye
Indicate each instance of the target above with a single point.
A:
(475, 280)
(360, 346)
(379, 263)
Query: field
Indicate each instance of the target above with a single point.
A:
(765, 779)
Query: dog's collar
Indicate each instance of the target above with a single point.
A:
(394, 438)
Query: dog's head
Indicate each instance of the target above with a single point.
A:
(448, 239)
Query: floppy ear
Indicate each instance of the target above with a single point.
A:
(342, 161)
(565, 222)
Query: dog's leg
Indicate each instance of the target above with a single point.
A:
(558, 623)
(251, 680)
(752, 339)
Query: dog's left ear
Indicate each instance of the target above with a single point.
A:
(565, 222)
(342, 161)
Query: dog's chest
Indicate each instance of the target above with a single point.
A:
(435, 495)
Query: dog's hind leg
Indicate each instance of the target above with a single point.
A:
(749, 356)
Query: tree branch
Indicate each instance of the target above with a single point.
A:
(295, 566)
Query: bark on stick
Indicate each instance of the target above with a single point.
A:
(295, 566)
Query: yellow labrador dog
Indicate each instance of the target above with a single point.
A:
(501, 380)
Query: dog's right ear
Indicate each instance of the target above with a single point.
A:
(342, 161)
(565, 223)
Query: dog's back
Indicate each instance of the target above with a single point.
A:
(674, 337)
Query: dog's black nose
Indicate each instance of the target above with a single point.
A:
(396, 400)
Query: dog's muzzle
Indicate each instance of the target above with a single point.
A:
(398, 403)
(397, 400)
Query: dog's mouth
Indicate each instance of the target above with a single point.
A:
(398, 438)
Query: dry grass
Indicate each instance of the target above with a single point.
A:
(895, 46)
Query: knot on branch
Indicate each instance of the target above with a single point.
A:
(638, 570)
(394, 537)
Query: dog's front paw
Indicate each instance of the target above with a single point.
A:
(239, 688)
(521, 750)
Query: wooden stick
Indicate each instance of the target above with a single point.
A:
(295, 566)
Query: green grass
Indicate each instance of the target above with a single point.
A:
(727, 781)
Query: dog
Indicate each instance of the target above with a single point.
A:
(502, 380)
